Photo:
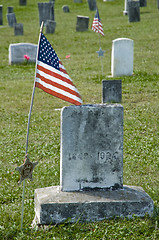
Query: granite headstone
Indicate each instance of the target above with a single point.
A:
(11, 19)
(1, 14)
(111, 91)
(134, 11)
(82, 23)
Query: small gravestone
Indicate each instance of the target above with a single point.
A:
(134, 11)
(18, 29)
(157, 4)
(92, 5)
(122, 57)
(22, 2)
(11, 19)
(82, 23)
(111, 91)
(91, 171)
(143, 3)
(50, 26)
(1, 14)
(66, 9)
(77, 1)
(46, 12)
(17, 51)
(10, 9)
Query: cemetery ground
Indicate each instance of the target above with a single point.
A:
(140, 99)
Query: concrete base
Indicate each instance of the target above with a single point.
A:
(52, 206)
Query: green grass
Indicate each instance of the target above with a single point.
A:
(140, 98)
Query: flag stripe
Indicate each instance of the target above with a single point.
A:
(97, 25)
(57, 93)
(55, 83)
(51, 75)
(53, 72)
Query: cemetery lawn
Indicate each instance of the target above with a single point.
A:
(140, 98)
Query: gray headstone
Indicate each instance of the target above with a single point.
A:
(143, 3)
(91, 147)
(10, 9)
(111, 91)
(11, 19)
(46, 12)
(18, 50)
(66, 9)
(18, 29)
(22, 2)
(82, 23)
(1, 14)
(157, 4)
(50, 26)
(92, 5)
(134, 11)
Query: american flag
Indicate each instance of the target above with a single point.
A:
(51, 75)
(97, 25)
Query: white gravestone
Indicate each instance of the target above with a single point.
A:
(122, 57)
(91, 147)
(17, 51)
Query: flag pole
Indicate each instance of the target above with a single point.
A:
(29, 117)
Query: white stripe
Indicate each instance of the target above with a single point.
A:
(60, 91)
(56, 80)
(54, 70)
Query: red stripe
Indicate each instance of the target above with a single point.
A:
(47, 90)
(52, 73)
(54, 84)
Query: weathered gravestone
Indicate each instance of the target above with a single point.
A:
(1, 14)
(92, 5)
(11, 19)
(22, 2)
(50, 26)
(17, 51)
(65, 8)
(143, 3)
(157, 4)
(46, 12)
(18, 29)
(91, 170)
(134, 11)
(82, 23)
(122, 57)
(111, 91)
(10, 9)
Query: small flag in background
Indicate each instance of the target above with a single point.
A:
(97, 25)
(51, 75)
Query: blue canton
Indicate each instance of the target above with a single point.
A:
(47, 54)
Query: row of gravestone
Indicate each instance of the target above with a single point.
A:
(122, 55)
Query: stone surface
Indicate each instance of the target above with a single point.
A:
(65, 8)
(134, 11)
(111, 91)
(50, 26)
(92, 5)
(10, 9)
(46, 12)
(18, 29)
(11, 19)
(91, 147)
(52, 206)
(18, 50)
(1, 14)
(143, 3)
(122, 57)
(82, 23)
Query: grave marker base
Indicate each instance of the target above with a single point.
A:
(52, 206)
